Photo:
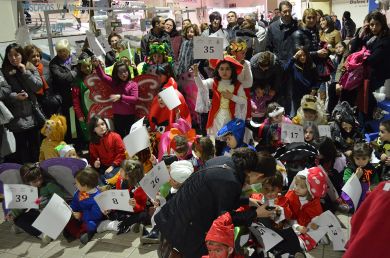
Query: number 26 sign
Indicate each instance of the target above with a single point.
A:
(155, 178)
(208, 48)
(20, 196)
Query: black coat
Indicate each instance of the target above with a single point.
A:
(186, 218)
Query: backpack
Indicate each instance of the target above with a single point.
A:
(354, 75)
(343, 112)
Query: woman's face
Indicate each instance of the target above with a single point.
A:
(86, 68)
(35, 58)
(302, 58)
(340, 49)
(225, 72)
(375, 27)
(323, 23)
(113, 41)
(346, 127)
(309, 134)
(168, 26)
(100, 128)
(63, 54)
(310, 21)
(190, 33)
(14, 57)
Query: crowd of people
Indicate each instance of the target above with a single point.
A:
(229, 162)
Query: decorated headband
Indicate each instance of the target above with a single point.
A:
(85, 61)
(63, 148)
(190, 136)
(237, 47)
(156, 48)
(276, 112)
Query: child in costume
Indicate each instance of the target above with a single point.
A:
(383, 149)
(54, 131)
(311, 111)
(233, 134)
(309, 186)
(86, 212)
(365, 171)
(127, 55)
(33, 175)
(79, 91)
(106, 149)
(310, 133)
(259, 101)
(158, 55)
(68, 151)
(204, 149)
(124, 98)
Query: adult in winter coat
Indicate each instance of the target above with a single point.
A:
(349, 27)
(24, 80)
(185, 219)
(247, 32)
(175, 38)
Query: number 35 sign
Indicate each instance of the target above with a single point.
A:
(208, 48)
(20, 197)
(155, 178)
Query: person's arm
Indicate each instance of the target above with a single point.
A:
(32, 79)
(103, 76)
(131, 95)
(62, 74)
(140, 200)
(240, 98)
(203, 84)
(5, 88)
(270, 39)
(93, 154)
(379, 55)
(94, 213)
(247, 79)
(76, 102)
(244, 218)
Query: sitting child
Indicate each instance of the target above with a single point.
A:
(310, 133)
(233, 134)
(86, 212)
(68, 151)
(204, 150)
(311, 112)
(383, 149)
(33, 175)
(365, 172)
(259, 103)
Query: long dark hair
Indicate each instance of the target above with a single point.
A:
(7, 66)
(233, 78)
(115, 72)
(329, 23)
(91, 128)
(381, 18)
(165, 69)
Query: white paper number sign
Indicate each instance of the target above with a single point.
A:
(137, 125)
(114, 200)
(353, 189)
(137, 140)
(292, 133)
(20, 196)
(208, 48)
(170, 97)
(54, 217)
(324, 130)
(155, 178)
(266, 236)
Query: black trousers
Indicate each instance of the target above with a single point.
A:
(123, 123)
(26, 220)
(27, 146)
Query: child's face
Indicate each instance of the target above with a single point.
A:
(37, 182)
(100, 128)
(225, 72)
(309, 134)
(309, 115)
(271, 192)
(190, 33)
(240, 55)
(346, 127)
(162, 78)
(231, 141)
(277, 119)
(361, 161)
(86, 68)
(300, 187)
(339, 49)
(160, 102)
(82, 188)
(123, 73)
(71, 154)
(218, 250)
(384, 134)
(157, 58)
(174, 184)
(259, 92)
(302, 58)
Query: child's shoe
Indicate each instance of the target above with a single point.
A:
(108, 225)
(45, 239)
(151, 238)
(135, 228)
(69, 238)
(15, 229)
(344, 208)
(86, 237)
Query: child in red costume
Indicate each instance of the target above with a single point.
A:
(220, 238)
(160, 117)
(309, 186)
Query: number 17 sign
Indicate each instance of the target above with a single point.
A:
(208, 48)
(155, 178)
(20, 196)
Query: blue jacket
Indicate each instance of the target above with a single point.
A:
(237, 128)
(91, 214)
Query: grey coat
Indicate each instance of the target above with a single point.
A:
(30, 82)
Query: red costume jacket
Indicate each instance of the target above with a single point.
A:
(137, 193)
(110, 150)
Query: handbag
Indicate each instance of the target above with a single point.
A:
(5, 114)
(38, 114)
(8, 143)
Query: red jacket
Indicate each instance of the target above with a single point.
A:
(137, 193)
(370, 226)
(110, 150)
(303, 214)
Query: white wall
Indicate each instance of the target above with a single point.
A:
(9, 20)
(358, 9)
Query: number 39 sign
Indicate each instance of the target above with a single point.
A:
(155, 178)
(208, 48)
(20, 197)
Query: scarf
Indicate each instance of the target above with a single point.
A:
(45, 85)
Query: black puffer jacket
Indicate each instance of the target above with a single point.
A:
(186, 218)
(304, 37)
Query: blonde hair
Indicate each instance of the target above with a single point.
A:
(63, 44)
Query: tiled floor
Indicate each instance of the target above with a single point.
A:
(103, 245)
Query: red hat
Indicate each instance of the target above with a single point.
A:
(315, 181)
(214, 63)
(222, 230)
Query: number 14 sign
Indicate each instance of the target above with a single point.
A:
(20, 196)
(155, 178)
(208, 48)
